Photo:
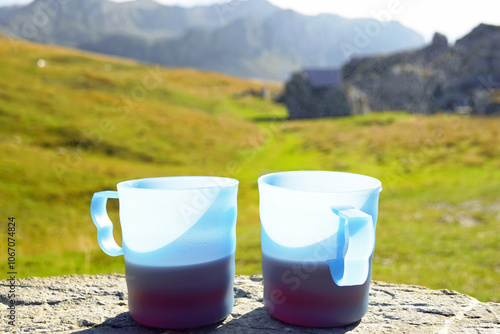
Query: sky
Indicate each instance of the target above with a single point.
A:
(450, 17)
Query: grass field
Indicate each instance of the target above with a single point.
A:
(84, 122)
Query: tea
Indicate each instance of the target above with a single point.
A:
(181, 296)
(304, 294)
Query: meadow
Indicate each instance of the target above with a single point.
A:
(77, 123)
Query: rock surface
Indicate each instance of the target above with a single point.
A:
(98, 304)
(464, 77)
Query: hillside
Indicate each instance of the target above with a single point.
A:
(77, 123)
(83, 123)
(252, 39)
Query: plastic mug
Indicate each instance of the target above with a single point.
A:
(178, 241)
(317, 238)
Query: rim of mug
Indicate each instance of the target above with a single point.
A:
(129, 184)
(377, 188)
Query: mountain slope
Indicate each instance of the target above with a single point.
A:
(245, 38)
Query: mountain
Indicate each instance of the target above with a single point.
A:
(77, 21)
(250, 38)
(462, 77)
(273, 47)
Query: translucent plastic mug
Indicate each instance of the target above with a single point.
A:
(317, 238)
(178, 240)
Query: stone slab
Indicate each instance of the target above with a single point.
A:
(98, 304)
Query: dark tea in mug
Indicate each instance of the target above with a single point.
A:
(304, 294)
(181, 296)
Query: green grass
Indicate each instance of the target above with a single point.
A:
(86, 122)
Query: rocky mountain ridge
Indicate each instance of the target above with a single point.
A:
(464, 77)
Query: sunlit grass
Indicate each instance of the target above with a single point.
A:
(84, 123)
(427, 233)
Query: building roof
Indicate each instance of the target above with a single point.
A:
(323, 78)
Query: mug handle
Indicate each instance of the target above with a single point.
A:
(103, 223)
(353, 267)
